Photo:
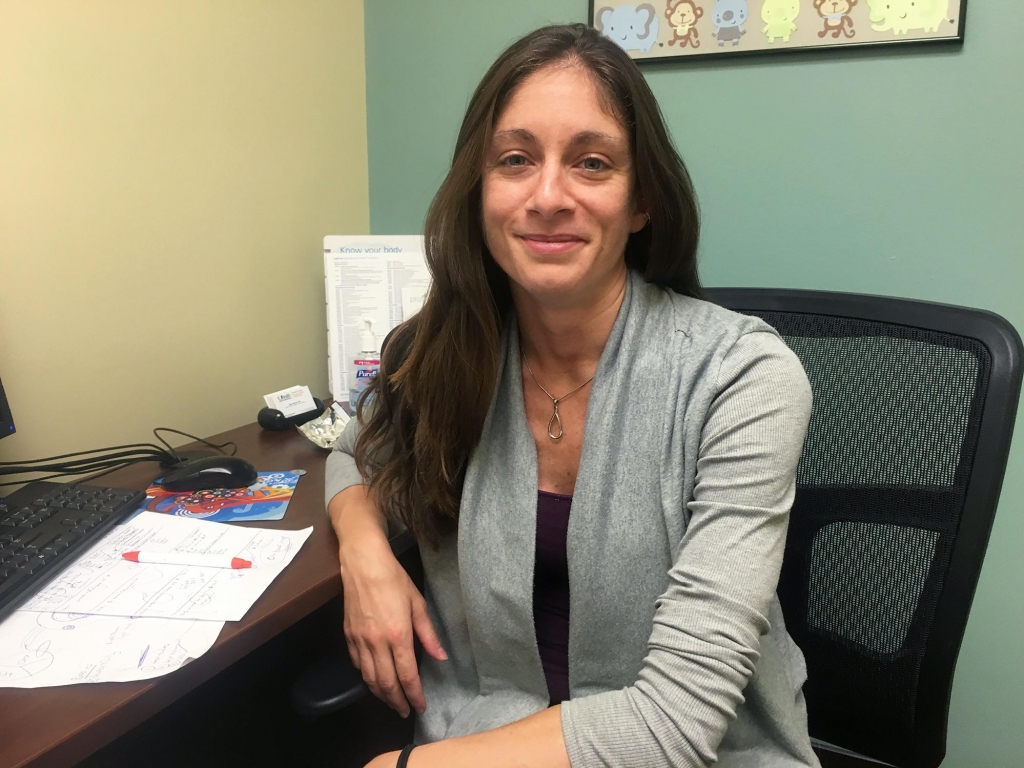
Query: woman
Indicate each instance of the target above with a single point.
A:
(563, 358)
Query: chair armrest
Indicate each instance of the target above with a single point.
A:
(329, 684)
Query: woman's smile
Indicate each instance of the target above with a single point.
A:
(551, 245)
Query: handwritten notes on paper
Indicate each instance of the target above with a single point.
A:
(102, 582)
(105, 619)
(38, 650)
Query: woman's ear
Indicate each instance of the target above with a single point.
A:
(641, 218)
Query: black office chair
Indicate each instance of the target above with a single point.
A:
(897, 486)
(914, 405)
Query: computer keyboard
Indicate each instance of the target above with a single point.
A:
(44, 525)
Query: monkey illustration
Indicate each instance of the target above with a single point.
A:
(836, 14)
(682, 17)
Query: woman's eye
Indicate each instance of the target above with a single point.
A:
(593, 164)
(514, 161)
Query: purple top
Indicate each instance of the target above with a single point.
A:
(551, 592)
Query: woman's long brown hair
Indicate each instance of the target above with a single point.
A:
(439, 368)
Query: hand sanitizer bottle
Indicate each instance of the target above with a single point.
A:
(366, 363)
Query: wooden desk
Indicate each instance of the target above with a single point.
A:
(61, 726)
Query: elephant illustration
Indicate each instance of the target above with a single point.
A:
(903, 15)
(633, 27)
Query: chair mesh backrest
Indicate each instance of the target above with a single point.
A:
(880, 492)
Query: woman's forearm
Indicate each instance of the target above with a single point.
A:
(534, 742)
(357, 521)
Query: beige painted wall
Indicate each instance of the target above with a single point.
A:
(168, 169)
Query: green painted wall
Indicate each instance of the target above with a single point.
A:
(899, 172)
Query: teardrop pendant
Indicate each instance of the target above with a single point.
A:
(555, 419)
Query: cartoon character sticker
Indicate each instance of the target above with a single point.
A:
(728, 17)
(682, 18)
(900, 16)
(632, 27)
(778, 17)
(837, 18)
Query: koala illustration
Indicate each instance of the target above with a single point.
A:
(728, 17)
(682, 17)
(903, 15)
(633, 27)
(778, 16)
(836, 14)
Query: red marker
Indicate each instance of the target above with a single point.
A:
(187, 558)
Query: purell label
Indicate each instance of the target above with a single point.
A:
(368, 361)
(365, 373)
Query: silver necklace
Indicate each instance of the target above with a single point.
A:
(555, 418)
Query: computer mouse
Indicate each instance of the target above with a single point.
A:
(209, 472)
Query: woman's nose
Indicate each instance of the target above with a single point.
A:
(550, 195)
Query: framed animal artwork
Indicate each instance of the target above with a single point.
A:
(658, 30)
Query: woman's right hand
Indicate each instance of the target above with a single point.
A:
(383, 610)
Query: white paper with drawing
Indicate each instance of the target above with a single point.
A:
(101, 581)
(383, 278)
(38, 650)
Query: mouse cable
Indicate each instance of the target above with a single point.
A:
(82, 465)
(106, 472)
(79, 467)
(219, 448)
(149, 449)
(113, 466)
(105, 460)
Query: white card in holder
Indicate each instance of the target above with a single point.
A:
(292, 401)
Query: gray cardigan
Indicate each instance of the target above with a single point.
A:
(678, 654)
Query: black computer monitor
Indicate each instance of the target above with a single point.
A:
(6, 421)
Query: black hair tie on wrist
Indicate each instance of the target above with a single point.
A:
(403, 759)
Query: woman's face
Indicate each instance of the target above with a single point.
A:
(557, 189)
